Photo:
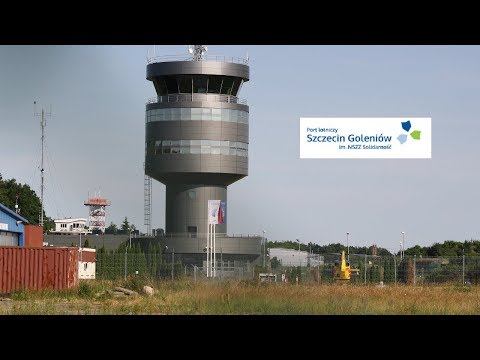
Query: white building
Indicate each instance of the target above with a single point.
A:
(71, 226)
(290, 257)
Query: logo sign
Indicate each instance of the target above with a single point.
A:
(3, 226)
(216, 211)
(366, 138)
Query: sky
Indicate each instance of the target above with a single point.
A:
(96, 132)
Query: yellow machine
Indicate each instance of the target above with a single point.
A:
(342, 271)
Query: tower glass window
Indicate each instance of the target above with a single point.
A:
(185, 84)
(199, 84)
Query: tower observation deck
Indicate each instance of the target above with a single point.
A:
(196, 136)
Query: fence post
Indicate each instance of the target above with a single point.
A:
(463, 266)
(173, 260)
(126, 262)
(365, 267)
(395, 267)
(414, 269)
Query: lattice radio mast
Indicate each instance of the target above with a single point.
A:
(43, 123)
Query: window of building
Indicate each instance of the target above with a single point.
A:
(172, 84)
(227, 85)
(160, 86)
(150, 147)
(200, 84)
(236, 86)
(185, 84)
(214, 147)
(196, 113)
(216, 114)
(214, 83)
(186, 114)
(192, 231)
(158, 147)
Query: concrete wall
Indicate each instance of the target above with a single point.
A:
(109, 241)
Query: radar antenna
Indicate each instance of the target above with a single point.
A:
(197, 51)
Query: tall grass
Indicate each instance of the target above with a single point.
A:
(243, 297)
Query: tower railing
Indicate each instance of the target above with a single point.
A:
(204, 235)
(197, 97)
(217, 58)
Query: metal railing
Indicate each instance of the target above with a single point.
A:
(197, 97)
(217, 58)
(204, 235)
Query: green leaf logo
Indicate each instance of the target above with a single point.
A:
(406, 125)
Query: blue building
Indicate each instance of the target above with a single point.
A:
(12, 227)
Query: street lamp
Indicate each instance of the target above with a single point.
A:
(130, 230)
(403, 244)
(348, 248)
(264, 248)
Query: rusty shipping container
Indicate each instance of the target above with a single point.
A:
(33, 236)
(37, 268)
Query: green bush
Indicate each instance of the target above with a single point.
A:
(86, 290)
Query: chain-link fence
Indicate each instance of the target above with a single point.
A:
(390, 269)
(365, 268)
(164, 266)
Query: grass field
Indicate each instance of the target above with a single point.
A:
(185, 297)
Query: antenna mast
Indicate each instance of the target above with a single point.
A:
(197, 51)
(43, 123)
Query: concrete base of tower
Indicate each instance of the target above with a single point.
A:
(243, 249)
(186, 208)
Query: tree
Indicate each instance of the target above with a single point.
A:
(28, 202)
(274, 263)
(111, 229)
(86, 244)
(125, 225)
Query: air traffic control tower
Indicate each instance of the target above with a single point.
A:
(196, 135)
